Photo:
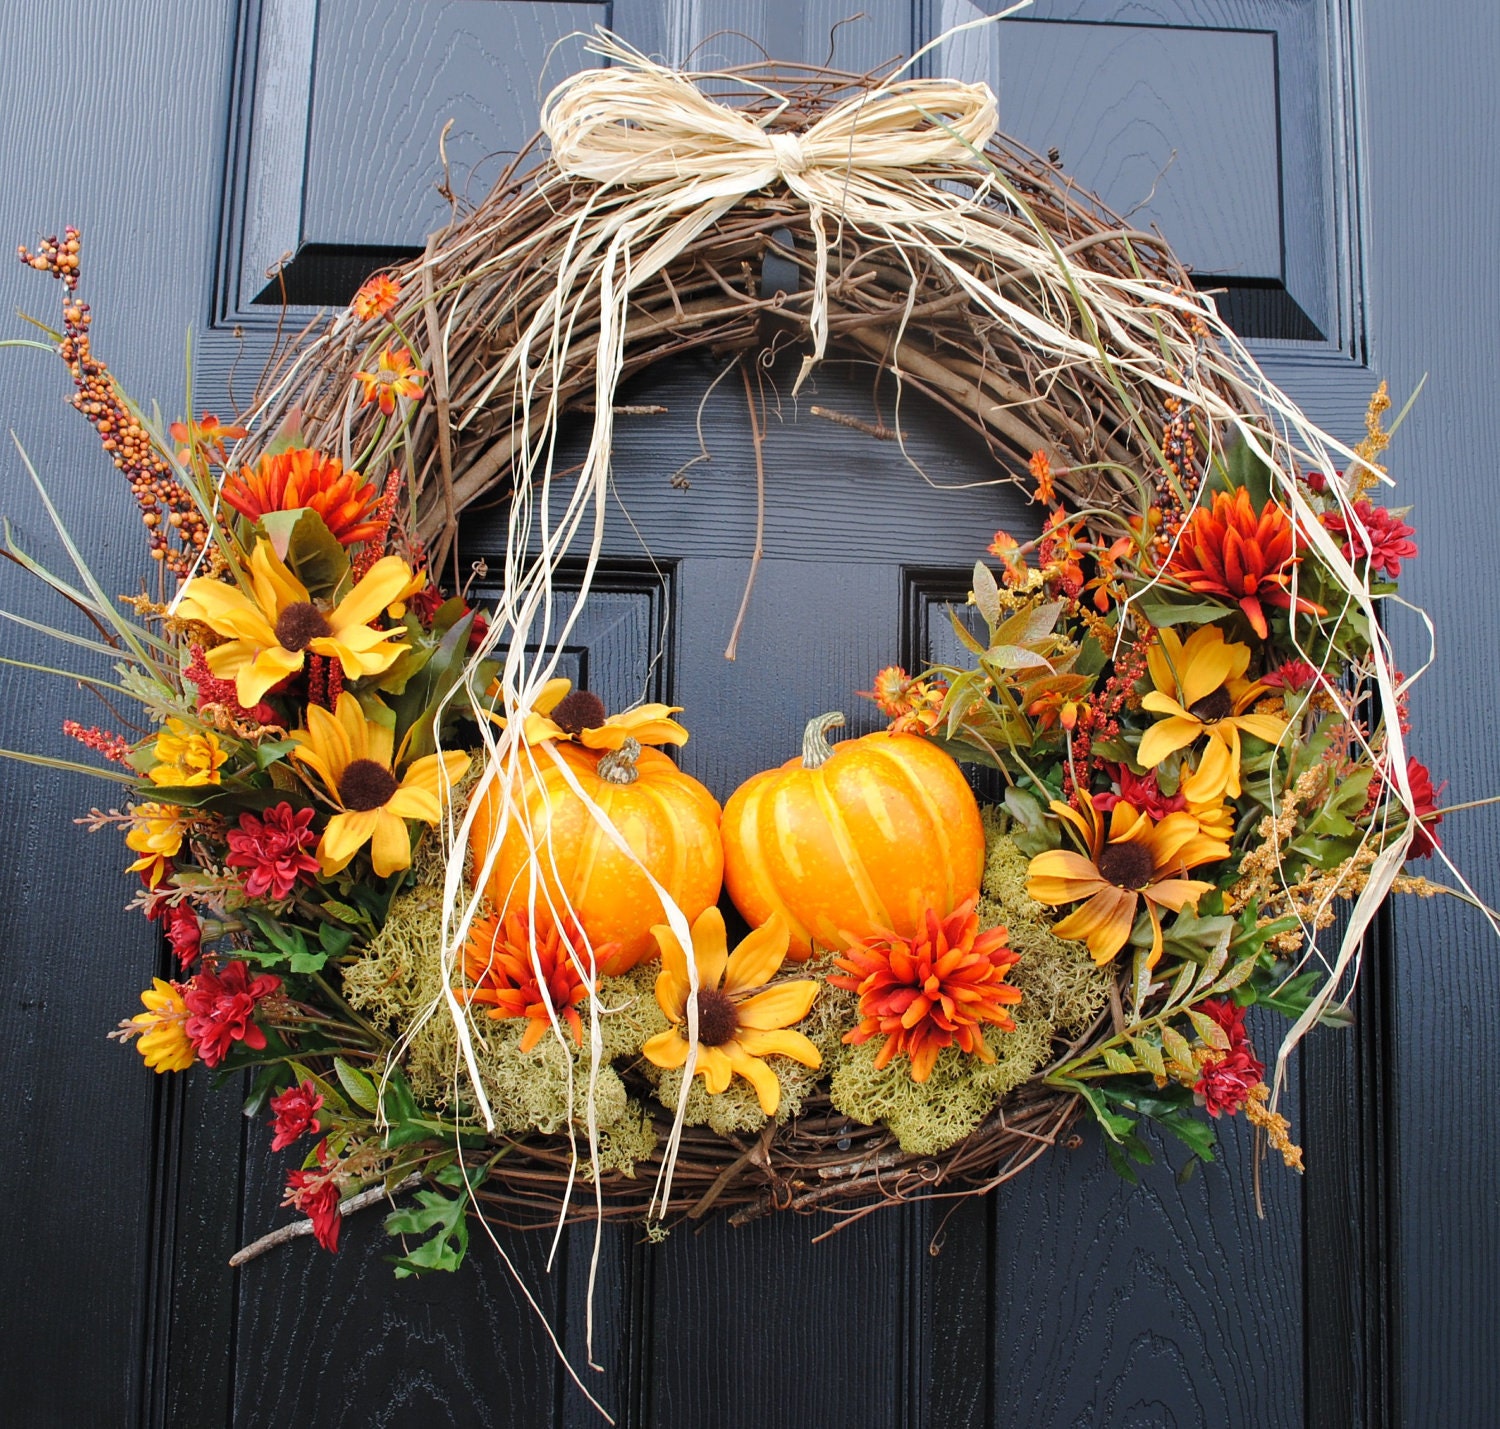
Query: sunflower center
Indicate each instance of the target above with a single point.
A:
(1212, 708)
(577, 711)
(718, 1018)
(299, 625)
(1126, 865)
(366, 785)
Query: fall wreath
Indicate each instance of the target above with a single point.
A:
(463, 923)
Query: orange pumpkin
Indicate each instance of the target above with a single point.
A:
(853, 838)
(669, 821)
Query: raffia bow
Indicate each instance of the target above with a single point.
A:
(869, 159)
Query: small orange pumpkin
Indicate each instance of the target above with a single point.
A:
(668, 819)
(853, 838)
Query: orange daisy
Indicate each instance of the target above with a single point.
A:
(1131, 860)
(305, 478)
(376, 297)
(395, 376)
(933, 990)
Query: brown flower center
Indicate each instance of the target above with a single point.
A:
(299, 625)
(1126, 865)
(366, 785)
(1212, 708)
(718, 1018)
(577, 711)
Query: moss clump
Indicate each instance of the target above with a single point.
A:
(399, 979)
(1062, 993)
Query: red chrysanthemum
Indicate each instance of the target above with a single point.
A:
(1292, 675)
(1227, 549)
(1424, 842)
(934, 990)
(1140, 791)
(501, 970)
(294, 1110)
(276, 849)
(184, 932)
(315, 1192)
(221, 1009)
(1386, 538)
(1226, 1077)
(300, 477)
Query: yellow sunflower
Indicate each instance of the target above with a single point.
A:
(270, 635)
(1201, 689)
(351, 756)
(1133, 859)
(563, 713)
(735, 1029)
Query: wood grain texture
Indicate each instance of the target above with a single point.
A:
(390, 74)
(1435, 308)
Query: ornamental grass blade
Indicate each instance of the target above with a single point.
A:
(67, 636)
(70, 766)
(103, 605)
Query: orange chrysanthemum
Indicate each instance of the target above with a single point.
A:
(300, 477)
(395, 376)
(1227, 549)
(502, 972)
(376, 298)
(933, 990)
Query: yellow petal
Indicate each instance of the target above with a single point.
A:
(780, 1042)
(1177, 893)
(1164, 660)
(1159, 703)
(225, 609)
(382, 583)
(390, 845)
(1104, 923)
(1262, 726)
(672, 981)
(714, 1068)
(269, 667)
(357, 732)
(358, 662)
(1166, 737)
(552, 693)
(275, 586)
(760, 1076)
(345, 835)
(755, 962)
(1210, 662)
(778, 1006)
(1060, 876)
(710, 947)
(667, 1049)
(1206, 784)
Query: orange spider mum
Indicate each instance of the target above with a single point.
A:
(933, 990)
(376, 298)
(502, 972)
(301, 477)
(208, 434)
(395, 376)
(1129, 860)
(1041, 473)
(1227, 549)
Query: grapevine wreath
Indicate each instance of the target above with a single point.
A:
(462, 922)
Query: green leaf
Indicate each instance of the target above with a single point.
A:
(442, 1219)
(1118, 1062)
(986, 594)
(1238, 466)
(357, 1086)
(1209, 1031)
(1148, 1054)
(1196, 1134)
(267, 1080)
(1116, 1127)
(1161, 610)
(273, 749)
(312, 552)
(1176, 1047)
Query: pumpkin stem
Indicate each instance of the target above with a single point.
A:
(618, 766)
(816, 749)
